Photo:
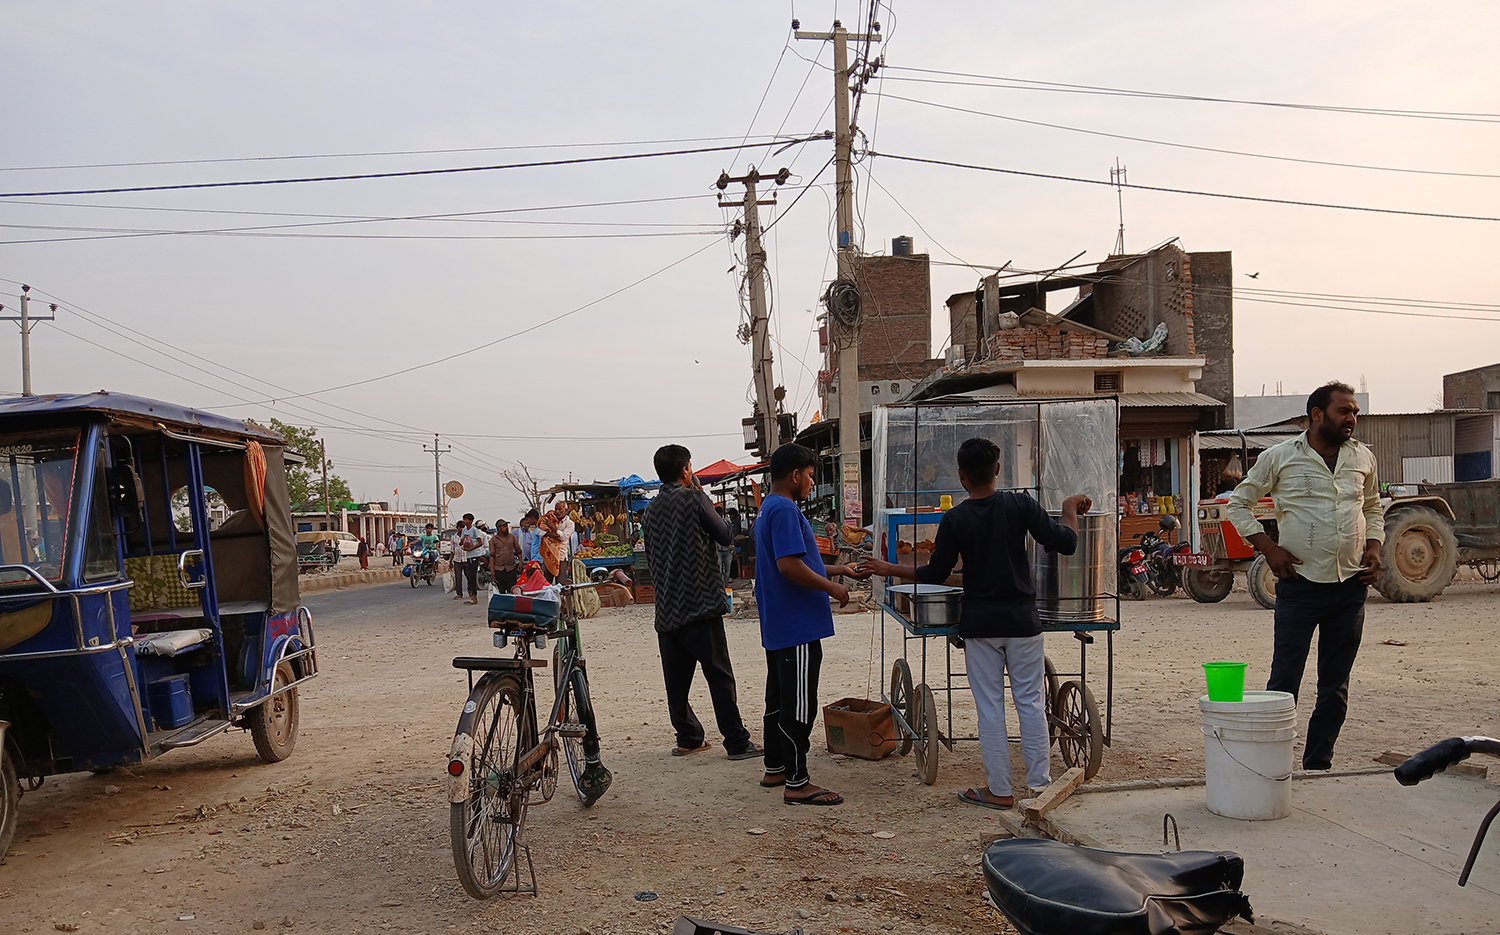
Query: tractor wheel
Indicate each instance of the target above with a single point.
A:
(1207, 585)
(1419, 558)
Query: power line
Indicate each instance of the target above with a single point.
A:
(1028, 84)
(290, 235)
(474, 216)
(399, 152)
(1203, 149)
(1185, 191)
(409, 173)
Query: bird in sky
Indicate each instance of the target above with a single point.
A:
(1255, 275)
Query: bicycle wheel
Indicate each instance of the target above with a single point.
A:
(577, 716)
(486, 827)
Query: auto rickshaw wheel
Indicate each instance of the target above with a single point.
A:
(273, 724)
(10, 799)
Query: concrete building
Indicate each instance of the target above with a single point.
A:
(375, 520)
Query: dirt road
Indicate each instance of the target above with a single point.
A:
(350, 835)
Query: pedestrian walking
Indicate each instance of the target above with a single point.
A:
(999, 625)
(682, 532)
(726, 552)
(792, 588)
(1330, 528)
(505, 557)
(398, 549)
(364, 553)
(475, 546)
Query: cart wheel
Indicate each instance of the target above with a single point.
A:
(924, 701)
(10, 799)
(901, 699)
(1049, 698)
(273, 725)
(1081, 733)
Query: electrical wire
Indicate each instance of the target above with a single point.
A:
(1191, 146)
(1028, 84)
(289, 235)
(400, 152)
(408, 173)
(1185, 191)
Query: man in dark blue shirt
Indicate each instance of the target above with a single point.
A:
(792, 589)
(999, 624)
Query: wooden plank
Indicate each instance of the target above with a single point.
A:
(1055, 794)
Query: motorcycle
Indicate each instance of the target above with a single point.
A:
(1440, 756)
(1161, 572)
(1132, 571)
(423, 565)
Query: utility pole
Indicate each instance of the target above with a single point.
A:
(323, 457)
(27, 320)
(437, 477)
(760, 319)
(846, 327)
(1117, 178)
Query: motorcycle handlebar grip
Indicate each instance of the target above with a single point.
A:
(1437, 757)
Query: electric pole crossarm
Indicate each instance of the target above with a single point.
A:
(27, 320)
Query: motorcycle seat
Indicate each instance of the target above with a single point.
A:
(1050, 888)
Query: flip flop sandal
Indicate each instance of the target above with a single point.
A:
(826, 797)
(749, 753)
(780, 781)
(689, 751)
(971, 796)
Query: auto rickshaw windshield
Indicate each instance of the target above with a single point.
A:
(36, 500)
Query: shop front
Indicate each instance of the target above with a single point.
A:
(1158, 461)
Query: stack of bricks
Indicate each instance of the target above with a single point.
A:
(1046, 342)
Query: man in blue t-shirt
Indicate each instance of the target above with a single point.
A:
(791, 592)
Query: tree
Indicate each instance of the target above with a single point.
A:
(520, 478)
(304, 482)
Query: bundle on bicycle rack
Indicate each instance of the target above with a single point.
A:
(521, 609)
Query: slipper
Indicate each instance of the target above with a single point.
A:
(749, 753)
(972, 797)
(826, 797)
(689, 751)
(780, 780)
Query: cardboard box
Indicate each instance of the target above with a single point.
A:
(860, 727)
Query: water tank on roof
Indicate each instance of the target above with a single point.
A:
(901, 246)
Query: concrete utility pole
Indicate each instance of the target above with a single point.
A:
(755, 275)
(323, 457)
(27, 320)
(437, 476)
(846, 334)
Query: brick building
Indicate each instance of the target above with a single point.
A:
(1472, 389)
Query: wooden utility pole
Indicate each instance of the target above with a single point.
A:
(846, 331)
(760, 319)
(437, 479)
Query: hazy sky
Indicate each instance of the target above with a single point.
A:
(299, 309)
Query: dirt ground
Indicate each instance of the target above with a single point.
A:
(350, 835)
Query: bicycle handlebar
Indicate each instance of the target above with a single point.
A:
(1442, 755)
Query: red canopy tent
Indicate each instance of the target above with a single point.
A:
(716, 471)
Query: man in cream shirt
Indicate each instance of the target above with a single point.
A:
(1330, 528)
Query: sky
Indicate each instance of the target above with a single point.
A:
(578, 334)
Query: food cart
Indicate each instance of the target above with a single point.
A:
(607, 516)
(1051, 449)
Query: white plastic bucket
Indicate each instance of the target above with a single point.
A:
(1247, 752)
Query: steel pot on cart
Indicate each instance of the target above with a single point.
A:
(1050, 449)
(129, 624)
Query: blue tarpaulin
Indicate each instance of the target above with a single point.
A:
(636, 482)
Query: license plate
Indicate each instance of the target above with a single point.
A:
(1192, 558)
(1138, 569)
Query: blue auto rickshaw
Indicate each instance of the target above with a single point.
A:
(130, 624)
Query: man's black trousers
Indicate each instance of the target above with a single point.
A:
(791, 708)
(701, 643)
(1337, 612)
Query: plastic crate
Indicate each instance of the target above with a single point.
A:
(645, 594)
(171, 701)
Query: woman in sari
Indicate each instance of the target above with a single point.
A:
(552, 546)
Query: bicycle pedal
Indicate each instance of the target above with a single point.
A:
(571, 730)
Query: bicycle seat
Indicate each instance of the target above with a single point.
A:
(1050, 888)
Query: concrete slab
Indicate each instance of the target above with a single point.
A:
(1359, 855)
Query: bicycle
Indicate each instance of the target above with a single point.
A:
(503, 760)
(1439, 757)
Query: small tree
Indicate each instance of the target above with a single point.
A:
(520, 478)
(304, 482)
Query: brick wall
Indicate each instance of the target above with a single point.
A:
(1470, 389)
(1213, 326)
(1145, 291)
(962, 325)
(897, 297)
(1046, 342)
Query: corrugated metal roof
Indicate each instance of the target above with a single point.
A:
(1167, 399)
(1256, 441)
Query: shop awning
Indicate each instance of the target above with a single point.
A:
(716, 470)
(1230, 441)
